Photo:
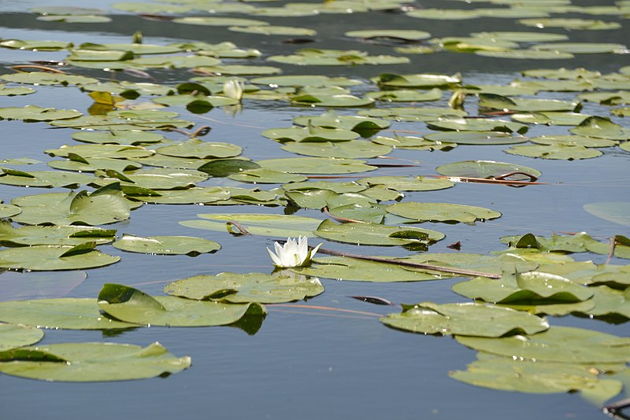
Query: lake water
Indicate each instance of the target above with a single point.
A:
(313, 364)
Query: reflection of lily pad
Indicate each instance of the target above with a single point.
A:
(613, 211)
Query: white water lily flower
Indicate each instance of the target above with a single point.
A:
(233, 89)
(294, 253)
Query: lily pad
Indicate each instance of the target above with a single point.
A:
(402, 183)
(243, 288)
(132, 305)
(53, 235)
(310, 134)
(201, 149)
(558, 344)
(266, 176)
(464, 319)
(394, 34)
(499, 102)
(274, 30)
(412, 113)
(45, 179)
(316, 165)
(602, 128)
(218, 21)
(581, 47)
(357, 149)
(475, 137)
(555, 151)
(537, 377)
(166, 245)
(376, 234)
(486, 169)
(274, 225)
(304, 80)
(350, 269)
(31, 113)
(476, 124)
(14, 336)
(103, 206)
(567, 23)
(15, 91)
(9, 210)
(128, 137)
(64, 313)
(406, 95)
(196, 195)
(526, 54)
(45, 78)
(413, 143)
(55, 257)
(417, 81)
(442, 212)
(90, 362)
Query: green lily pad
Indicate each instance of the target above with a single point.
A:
(622, 112)
(78, 163)
(45, 78)
(360, 212)
(132, 305)
(577, 85)
(356, 123)
(402, 183)
(357, 149)
(55, 257)
(15, 91)
(114, 151)
(196, 195)
(103, 206)
(310, 134)
(31, 113)
(322, 57)
(45, 179)
(338, 187)
(305, 80)
(413, 143)
(154, 179)
(442, 212)
(475, 137)
(566, 23)
(75, 18)
(218, 21)
(610, 302)
(53, 235)
(486, 169)
(602, 128)
(200, 149)
(274, 30)
(537, 377)
(318, 199)
(237, 69)
(9, 210)
(316, 165)
(612, 211)
(13, 336)
(521, 36)
(90, 362)
(396, 34)
(558, 344)
(555, 151)
(551, 118)
(533, 287)
(35, 45)
(464, 319)
(607, 98)
(266, 176)
(64, 313)
(341, 100)
(406, 95)
(125, 137)
(166, 245)
(243, 288)
(350, 269)
(562, 73)
(476, 124)
(499, 102)
(412, 113)
(444, 14)
(581, 47)
(570, 140)
(528, 54)
(274, 225)
(416, 81)
(376, 234)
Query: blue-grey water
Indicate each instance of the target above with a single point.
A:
(312, 364)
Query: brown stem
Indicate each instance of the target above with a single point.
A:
(340, 219)
(19, 67)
